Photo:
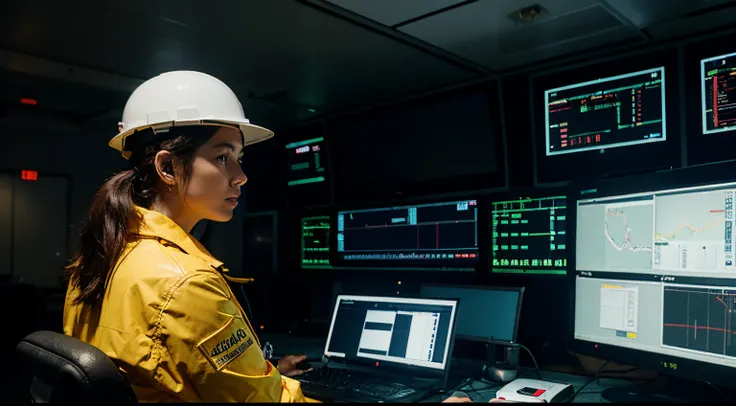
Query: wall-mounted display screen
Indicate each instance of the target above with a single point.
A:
(306, 160)
(435, 235)
(315, 242)
(606, 113)
(718, 93)
(529, 236)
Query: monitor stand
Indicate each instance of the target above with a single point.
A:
(501, 371)
(672, 391)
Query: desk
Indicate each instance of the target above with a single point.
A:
(482, 392)
(460, 370)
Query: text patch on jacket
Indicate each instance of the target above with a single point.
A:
(226, 344)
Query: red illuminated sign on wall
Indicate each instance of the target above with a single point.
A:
(26, 174)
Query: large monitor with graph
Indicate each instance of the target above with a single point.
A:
(431, 235)
(606, 113)
(529, 235)
(655, 273)
(718, 93)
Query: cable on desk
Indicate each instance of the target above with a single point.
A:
(594, 379)
(534, 360)
(725, 397)
(487, 387)
(598, 373)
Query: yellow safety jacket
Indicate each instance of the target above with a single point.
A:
(171, 323)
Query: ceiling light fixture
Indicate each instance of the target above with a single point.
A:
(528, 14)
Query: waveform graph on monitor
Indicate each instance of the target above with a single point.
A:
(699, 319)
(690, 231)
(628, 235)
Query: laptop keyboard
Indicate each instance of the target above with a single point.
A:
(355, 382)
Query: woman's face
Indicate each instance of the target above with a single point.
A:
(216, 177)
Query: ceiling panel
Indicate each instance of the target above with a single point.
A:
(649, 12)
(392, 12)
(577, 48)
(687, 27)
(282, 57)
(482, 31)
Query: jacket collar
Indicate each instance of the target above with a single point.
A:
(157, 225)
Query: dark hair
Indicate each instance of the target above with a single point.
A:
(112, 221)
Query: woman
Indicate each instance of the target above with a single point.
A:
(141, 288)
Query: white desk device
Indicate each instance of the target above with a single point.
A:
(535, 391)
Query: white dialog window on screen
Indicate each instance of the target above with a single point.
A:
(619, 307)
(422, 336)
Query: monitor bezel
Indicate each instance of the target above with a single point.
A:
(702, 175)
(340, 264)
(592, 164)
(487, 340)
(607, 79)
(418, 371)
(702, 94)
(533, 193)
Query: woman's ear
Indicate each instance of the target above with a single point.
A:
(164, 163)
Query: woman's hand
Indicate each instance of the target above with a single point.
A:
(287, 365)
(456, 399)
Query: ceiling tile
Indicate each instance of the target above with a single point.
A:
(574, 48)
(687, 27)
(483, 33)
(645, 13)
(392, 12)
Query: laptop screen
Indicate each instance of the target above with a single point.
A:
(408, 331)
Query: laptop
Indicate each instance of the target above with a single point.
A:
(384, 349)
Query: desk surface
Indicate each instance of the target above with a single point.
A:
(480, 391)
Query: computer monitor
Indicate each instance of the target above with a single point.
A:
(529, 235)
(488, 314)
(432, 235)
(307, 161)
(655, 281)
(718, 93)
(606, 113)
(315, 237)
(393, 332)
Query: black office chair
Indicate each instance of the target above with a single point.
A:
(65, 369)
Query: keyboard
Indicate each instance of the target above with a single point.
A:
(331, 380)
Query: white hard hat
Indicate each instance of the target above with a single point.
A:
(182, 98)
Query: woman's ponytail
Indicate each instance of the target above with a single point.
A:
(113, 221)
(105, 233)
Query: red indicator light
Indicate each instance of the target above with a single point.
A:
(28, 101)
(28, 175)
(376, 363)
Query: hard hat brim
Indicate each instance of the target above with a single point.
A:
(252, 134)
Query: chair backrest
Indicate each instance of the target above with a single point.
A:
(65, 369)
